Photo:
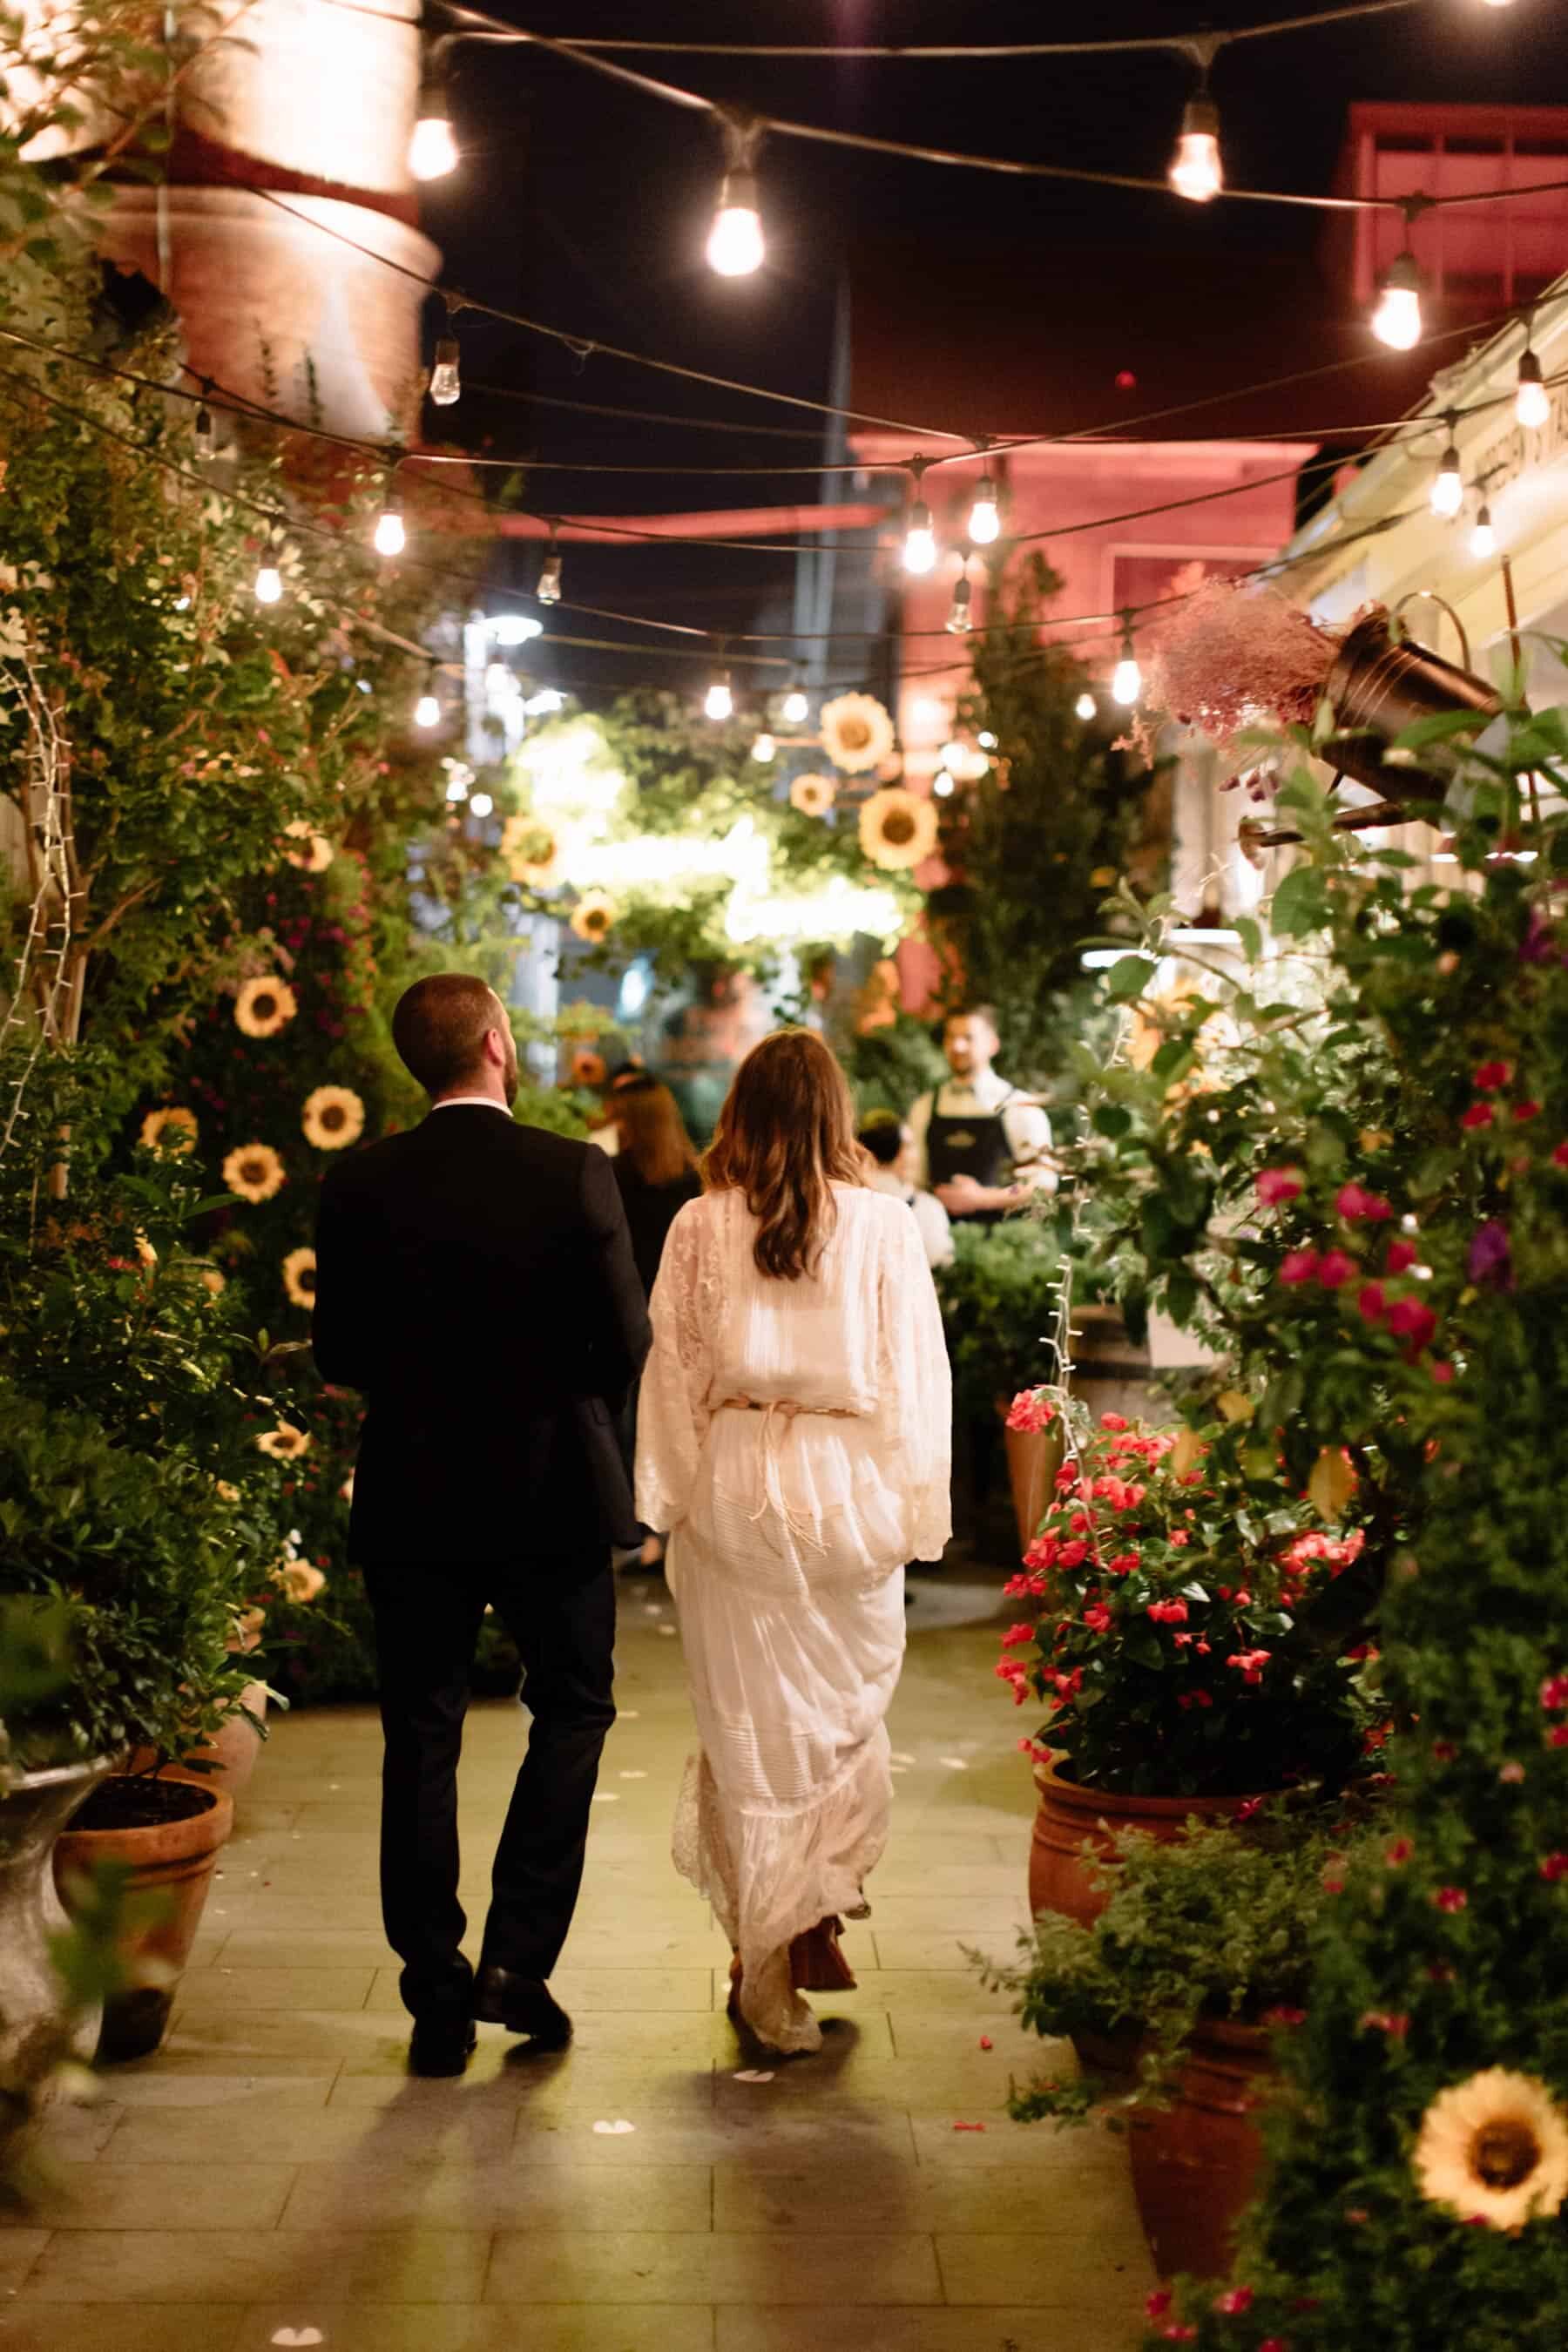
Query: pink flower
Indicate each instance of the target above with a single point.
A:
(1233, 2302)
(1067, 1476)
(1372, 1301)
(1442, 1372)
(1112, 1420)
(1298, 1265)
(1168, 1613)
(1097, 1617)
(1408, 1319)
(1178, 2334)
(1274, 2344)
(1031, 1408)
(1334, 1268)
(1560, 1154)
(1250, 1663)
(1392, 2022)
(1284, 2017)
(1042, 1552)
(1554, 1866)
(1401, 1254)
(1122, 1565)
(1478, 1115)
(1353, 1202)
(1490, 1075)
(1558, 1736)
(1399, 1852)
(1250, 1810)
(1276, 1185)
(1511, 1775)
(1523, 1110)
(1159, 2303)
(1180, 1540)
(1452, 1898)
(1554, 1692)
(1015, 1635)
(1072, 1555)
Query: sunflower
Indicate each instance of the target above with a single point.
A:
(264, 1007)
(170, 1131)
(856, 733)
(594, 915)
(285, 1443)
(334, 1117)
(315, 852)
(1494, 2148)
(212, 1280)
(300, 1277)
(533, 852)
(813, 795)
(300, 1579)
(254, 1171)
(897, 828)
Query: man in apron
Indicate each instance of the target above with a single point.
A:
(980, 1146)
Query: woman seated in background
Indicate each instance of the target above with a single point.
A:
(656, 1169)
(889, 1144)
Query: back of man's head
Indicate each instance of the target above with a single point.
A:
(882, 1135)
(439, 1028)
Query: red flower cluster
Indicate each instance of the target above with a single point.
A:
(1031, 1408)
(1251, 1663)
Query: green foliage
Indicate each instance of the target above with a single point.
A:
(890, 1067)
(998, 1302)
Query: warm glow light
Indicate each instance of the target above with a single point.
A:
(1196, 172)
(446, 381)
(432, 149)
(391, 538)
(1127, 680)
(269, 585)
(943, 785)
(985, 515)
(549, 589)
(795, 708)
(718, 702)
(959, 617)
(1396, 321)
(1483, 538)
(920, 539)
(735, 243)
(1086, 706)
(1532, 408)
(986, 740)
(1448, 484)
(515, 628)
(481, 804)
(458, 789)
(428, 709)
(764, 750)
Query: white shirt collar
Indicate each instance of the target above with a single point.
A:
(987, 1090)
(451, 1102)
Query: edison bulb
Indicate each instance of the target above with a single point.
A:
(920, 541)
(719, 701)
(549, 589)
(1396, 321)
(943, 785)
(428, 711)
(432, 149)
(1532, 406)
(1127, 681)
(1483, 538)
(446, 379)
(481, 804)
(269, 585)
(764, 750)
(985, 515)
(735, 244)
(391, 538)
(960, 616)
(795, 708)
(1086, 706)
(1196, 172)
(1448, 484)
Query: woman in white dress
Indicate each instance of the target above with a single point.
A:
(794, 1439)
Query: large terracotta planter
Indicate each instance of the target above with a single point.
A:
(1033, 1457)
(174, 1861)
(1196, 2164)
(1069, 1815)
(33, 2014)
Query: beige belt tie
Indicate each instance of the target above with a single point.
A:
(777, 1413)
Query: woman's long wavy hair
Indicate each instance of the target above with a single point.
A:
(785, 1137)
(653, 1135)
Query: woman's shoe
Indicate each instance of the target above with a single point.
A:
(817, 1964)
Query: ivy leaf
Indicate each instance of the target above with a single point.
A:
(1128, 977)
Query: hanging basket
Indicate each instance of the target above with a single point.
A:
(1378, 688)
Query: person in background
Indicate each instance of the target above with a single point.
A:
(981, 1145)
(656, 1171)
(889, 1144)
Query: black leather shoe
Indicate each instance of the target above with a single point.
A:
(523, 2005)
(441, 2044)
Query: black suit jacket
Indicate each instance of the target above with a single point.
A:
(475, 1279)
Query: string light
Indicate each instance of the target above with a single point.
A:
(986, 740)
(1196, 172)
(718, 702)
(1449, 482)
(1396, 321)
(428, 709)
(390, 537)
(1483, 538)
(796, 707)
(736, 247)
(985, 515)
(1127, 679)
(446, 379)
(432, 149)
(943, 785)
(919, 539)
(1086, 706)
(206, 432)
(268, 583)
(1532, 406)
(960, 616)
(765, 751)
(515, 628)
(481, 804)
(548, 588)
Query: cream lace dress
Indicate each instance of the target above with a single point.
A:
(794, 1439)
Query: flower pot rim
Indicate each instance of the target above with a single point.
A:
(1074, 1794)
(1234, 2035)
(56, 1776)
(215, 1819)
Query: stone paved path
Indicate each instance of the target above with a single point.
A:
(273, 2177)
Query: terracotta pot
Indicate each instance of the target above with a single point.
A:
(1377, 689)
(1069, 1815)
(232, 1753)
(1033, 1457)
(34, 2031)
(1196, 2165)
(174, 1861)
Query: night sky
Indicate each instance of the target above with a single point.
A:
(587, 206)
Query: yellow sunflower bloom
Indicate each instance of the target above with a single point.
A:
(314, 852)
(301, 1579)
(813, 795)
(262, 1007)
(1494, 2147)
(856, 733)
(300, 1277)
(213, 1281)
(594, 915)
(170, 1131)
(532, 851)
(897, 828)
(333, 1118)
(284, 1443)
(254, 1172)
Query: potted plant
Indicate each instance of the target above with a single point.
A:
(1172, 1633)
(998, 1304)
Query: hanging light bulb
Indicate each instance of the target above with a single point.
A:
(1086, 706)
(548, 590)
(390, 537)
(446, 380)
(718, 702)
(943, 785)
(1396, 321)
(268, 583)
(765, 751)
(959, 617)
(736, 248)
(1196, 172)
(1127, 679)
(796, 707)
(432, 149)
(481, 804)
(986, 739)
(1483, 538)
(1532, 406)
(919, 539)
(1448, 483)
(428, 709)
(206, 432)
(985, 515)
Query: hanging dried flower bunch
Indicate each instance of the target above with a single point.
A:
(1233, 656)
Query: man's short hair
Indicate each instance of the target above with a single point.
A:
(986, 1012)
(439, 1028)
(882, 1135)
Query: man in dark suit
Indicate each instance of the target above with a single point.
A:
(475, 1279)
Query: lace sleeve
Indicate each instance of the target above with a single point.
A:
(672, 1405)
(916, 1389)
